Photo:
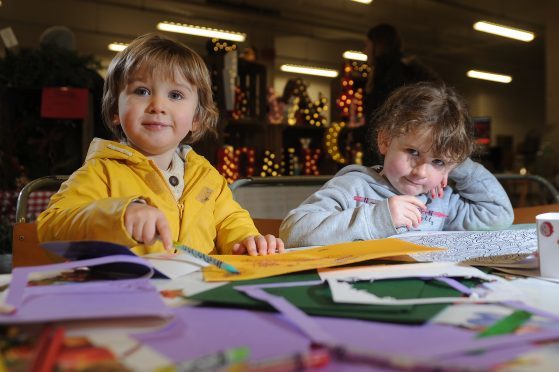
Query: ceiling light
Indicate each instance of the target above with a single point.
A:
(489, 76)
(308, 70)
(117, 47)
(363, 1)
(513, 33)
(352, 54)
(201, 31)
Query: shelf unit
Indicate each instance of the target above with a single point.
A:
(252, 129)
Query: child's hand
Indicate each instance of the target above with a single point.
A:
(438, 191)
(146, 223)
(405, 210)
(259, 245)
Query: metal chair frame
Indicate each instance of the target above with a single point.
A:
(533, 179)
(274, 197)
(39, 184)
(280, 181)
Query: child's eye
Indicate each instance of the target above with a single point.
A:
(175, 95)
(439, 163)
(141, 91)
(412, 152)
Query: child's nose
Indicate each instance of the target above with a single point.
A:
(156, 105)
(420, 170)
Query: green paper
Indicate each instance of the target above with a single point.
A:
(317, 299)
(506, 325)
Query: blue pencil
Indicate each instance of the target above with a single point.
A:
(209, 259)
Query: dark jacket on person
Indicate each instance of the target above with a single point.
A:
(391, 71)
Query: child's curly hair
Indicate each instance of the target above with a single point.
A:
(432, 107)
(164, 58)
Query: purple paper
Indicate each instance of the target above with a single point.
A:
(198, 331)
(89, 300)
(295, 315)
(423, 344)
(404, 346)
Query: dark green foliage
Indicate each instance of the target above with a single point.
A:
(47, 66)
(31, 146)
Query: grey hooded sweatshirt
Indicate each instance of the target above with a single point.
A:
(477, 201)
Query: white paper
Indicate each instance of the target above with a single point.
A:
(189, 285)
(537, 293)
(467, 245)
(411, 270)
(175, 265)
(344, 292)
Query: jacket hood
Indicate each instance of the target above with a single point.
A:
(105, 149)
(372, 176)
(363, 172)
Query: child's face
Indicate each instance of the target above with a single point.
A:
(410, 166)
(156, 114)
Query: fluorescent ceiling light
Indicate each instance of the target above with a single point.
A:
(307, 70)
(201, 31)
(117, 47)
(505, 31)
(489, 76)
(363, 1)
(352, 54)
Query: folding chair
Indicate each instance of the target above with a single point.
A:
(25, 248)
(269, 199)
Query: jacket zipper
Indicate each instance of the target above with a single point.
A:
(180, 205)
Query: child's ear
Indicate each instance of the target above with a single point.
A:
(195, 125)
(116, 119)
(196, 119)
(383, 142)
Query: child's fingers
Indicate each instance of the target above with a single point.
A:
(262, 245)
(164, 233)
(280, 246)
(137, 231)
(148, 233)
(271, 244)
(415, 202)
(238, 248)
(250, 246)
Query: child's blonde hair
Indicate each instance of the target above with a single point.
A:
(432, 107)
(163, 57)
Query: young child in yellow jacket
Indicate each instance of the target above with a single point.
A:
(150, 188)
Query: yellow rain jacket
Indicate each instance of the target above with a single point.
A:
(91, 204)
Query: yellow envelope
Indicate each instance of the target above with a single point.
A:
(255, 267)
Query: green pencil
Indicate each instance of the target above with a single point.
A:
(209, 259)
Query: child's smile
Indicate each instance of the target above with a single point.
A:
(156, 113)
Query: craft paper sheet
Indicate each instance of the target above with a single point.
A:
(254, 267)
(468, 245)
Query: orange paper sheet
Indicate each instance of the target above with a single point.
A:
(326, 256)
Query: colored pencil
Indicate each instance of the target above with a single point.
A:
(376, 201)
(49, 345)
(206, 258)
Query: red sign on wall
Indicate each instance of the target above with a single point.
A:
(64, 103)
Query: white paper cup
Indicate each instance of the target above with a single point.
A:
(548, 244)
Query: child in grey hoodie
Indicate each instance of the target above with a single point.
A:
(426, 137)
